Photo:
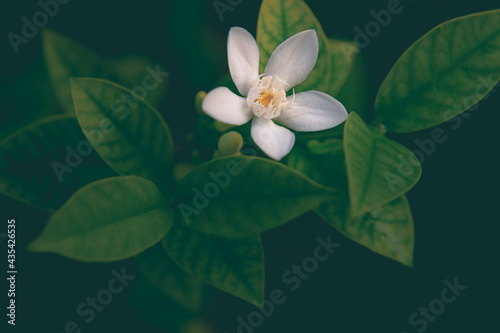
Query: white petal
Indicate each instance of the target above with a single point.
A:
(294, 59)
(275, 141)
(223, 105)
(243, 57)
(312, 111)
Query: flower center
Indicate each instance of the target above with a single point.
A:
(265, 100)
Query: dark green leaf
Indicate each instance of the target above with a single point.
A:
(322, 161)
(67, 58)
(18, 110)
(165, 275)
(386, 229)
(343, 55)
(355, 93)
(239, 196)
(234, 265)
(44, 163)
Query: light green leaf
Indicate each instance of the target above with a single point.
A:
(281, 19)
(234, 265)
(239, 196)
(379, 169)
(165, 275)
(44, 163)
(444, 73)
(386, 230)
(67, 58)
(130, 136)
(108, 220)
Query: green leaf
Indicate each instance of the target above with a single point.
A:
(239, 196)
(165, 275)
(386, 230)
(108, 220)
(379, 169)
(281, 19)
(130, 136)
(444, 73)
(44, 163)
(67, 58)
(234, 265)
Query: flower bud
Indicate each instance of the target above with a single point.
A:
(182, 169)
(230, 143)
(198, 100)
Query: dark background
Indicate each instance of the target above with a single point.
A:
(454, 205)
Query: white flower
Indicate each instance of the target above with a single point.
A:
(266, 99)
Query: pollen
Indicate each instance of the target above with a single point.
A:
(266, 98)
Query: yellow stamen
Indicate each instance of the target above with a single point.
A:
(266, 98)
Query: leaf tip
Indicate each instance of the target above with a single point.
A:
(34, 246)
(259, 303)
